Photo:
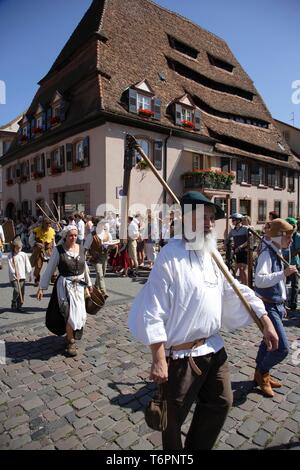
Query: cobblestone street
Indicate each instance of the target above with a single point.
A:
(96, 400)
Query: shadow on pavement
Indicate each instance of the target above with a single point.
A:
(43, 349)
(288, 446)
(241, 390)
(3, 285)
(137, 400)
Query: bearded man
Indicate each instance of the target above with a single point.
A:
(179, 313)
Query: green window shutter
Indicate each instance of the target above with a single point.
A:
(157, 157)
(197, 120)
(62, 157)
(178, 114)
(156, 105)
(132, 101)
(48, 163)
(86, 151)
(69, 154)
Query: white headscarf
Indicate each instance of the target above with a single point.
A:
(66, 230)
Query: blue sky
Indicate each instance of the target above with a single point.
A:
(262, 34)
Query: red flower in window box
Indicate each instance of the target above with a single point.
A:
(55, 120)
(37, 130)
(38, 174)
(146, 112)
(188, 124)
(24, 179)
(10, 182)
(56, 170)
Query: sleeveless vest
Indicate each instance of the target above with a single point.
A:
(273, 293)
(69, 266)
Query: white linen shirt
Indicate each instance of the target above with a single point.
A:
(264, 277)
(22, 264)
(187, 298)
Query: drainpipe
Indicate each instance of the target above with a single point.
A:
(298, 196)
(165, 165)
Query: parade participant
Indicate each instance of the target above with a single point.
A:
(97, 244)
(270, 277)
(2, 241)
(80, 227)
(42, 241)
(179, 313)
(133, 236)
(239, 234)
(66, 311)
(292, 256)
(18, 266)
(273, 215)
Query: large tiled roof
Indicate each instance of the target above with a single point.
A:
(123, 42)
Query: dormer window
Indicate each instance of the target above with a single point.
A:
(186, 113)
(142, 101)
(56, 112)
(38, 123)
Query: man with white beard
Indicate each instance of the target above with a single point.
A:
(179, 313)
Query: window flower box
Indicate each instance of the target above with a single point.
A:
(37, 130)
(10, 182)
(24, 179)
(79, 163)
(54, 120)
(38, 174)
(146, 112)
(214, 179)
(56, 170)
(24, 138)
(188, 124)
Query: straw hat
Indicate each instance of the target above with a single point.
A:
(279, 227)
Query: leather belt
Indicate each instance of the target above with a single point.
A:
(191, 345)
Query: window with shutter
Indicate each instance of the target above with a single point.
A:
(132, 101)
(86, 151)
(69, 152)
(49, 163)
(233, 206)
(156, 108)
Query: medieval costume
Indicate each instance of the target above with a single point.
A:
(2, 241)
(97, 244)
(67, 303)
(42, 240)
(270, 278)
(18, 267)
(179, 312)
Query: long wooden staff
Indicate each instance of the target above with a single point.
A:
(56, 208)
(218, 260)
(18, 280)
(55, 219)
(284, 261)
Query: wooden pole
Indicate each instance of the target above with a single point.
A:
(46, 215)
(221, 265)
(55, 219)
(56, 208)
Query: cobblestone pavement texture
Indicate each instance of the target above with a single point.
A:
(96, 400)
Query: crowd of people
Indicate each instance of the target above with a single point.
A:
(187, 299)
